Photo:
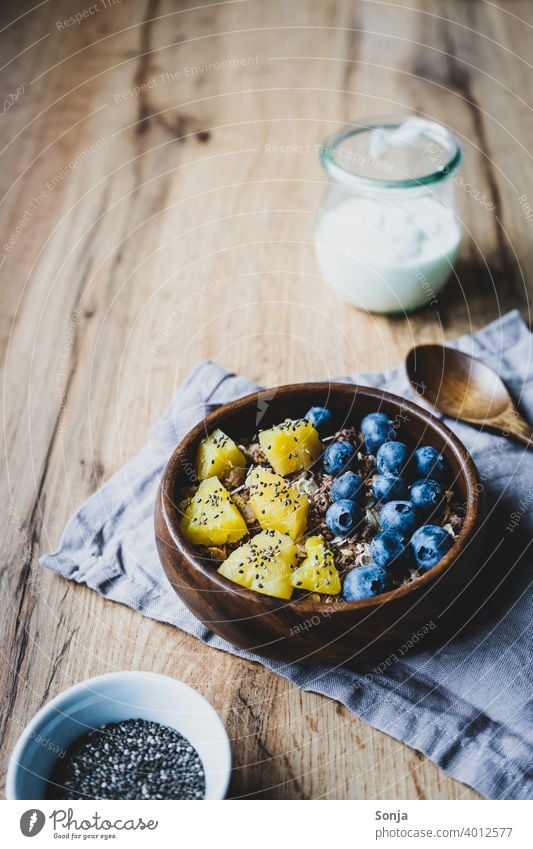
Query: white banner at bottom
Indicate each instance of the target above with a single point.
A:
(263, 824)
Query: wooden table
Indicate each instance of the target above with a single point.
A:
(159, 188)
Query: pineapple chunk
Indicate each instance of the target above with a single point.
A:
(217, 454)
(211, 517)
(277, 504)
(263, 564)
(290, 446)
(318, 572)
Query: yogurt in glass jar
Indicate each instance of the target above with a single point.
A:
(388, 232)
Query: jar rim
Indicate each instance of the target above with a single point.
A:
(342, 175)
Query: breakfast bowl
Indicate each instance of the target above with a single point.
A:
(113, 698)
(308, 630)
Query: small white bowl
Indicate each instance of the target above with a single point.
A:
(113, 698)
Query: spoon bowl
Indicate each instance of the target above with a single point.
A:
(463, 387)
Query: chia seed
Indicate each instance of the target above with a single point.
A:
(133, 759)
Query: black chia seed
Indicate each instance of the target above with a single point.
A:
(133, 759)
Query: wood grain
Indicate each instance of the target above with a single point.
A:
(161, 226)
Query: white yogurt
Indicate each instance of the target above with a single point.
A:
(384, 256)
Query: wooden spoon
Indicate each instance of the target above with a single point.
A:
(465, 388)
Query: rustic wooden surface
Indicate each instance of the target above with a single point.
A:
(181, 232)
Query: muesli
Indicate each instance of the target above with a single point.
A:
(304, 509)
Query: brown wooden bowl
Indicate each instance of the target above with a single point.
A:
(302, 630)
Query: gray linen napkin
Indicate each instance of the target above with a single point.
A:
(467, 705)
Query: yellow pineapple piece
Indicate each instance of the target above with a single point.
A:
(277, 504)
(318, 572)
(290, 446)
(211, 518)
(217, 454)
(263, 564)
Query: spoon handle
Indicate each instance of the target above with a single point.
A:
(514, 425)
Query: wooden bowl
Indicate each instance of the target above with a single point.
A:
(302, 630)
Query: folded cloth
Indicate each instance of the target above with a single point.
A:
(467, 704)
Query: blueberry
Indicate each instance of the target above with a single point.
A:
(342, 517)
(399, 516)
(376, 428)
(338, 457)
(320, 418)
(429, 544)
(392, 458)
(388, 488)
(430, 463)
(348, 485)
(388, 549)
(426, 495)
(365, 582)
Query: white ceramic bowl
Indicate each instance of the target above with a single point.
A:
(113, 698)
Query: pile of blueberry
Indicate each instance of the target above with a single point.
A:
(408, 488)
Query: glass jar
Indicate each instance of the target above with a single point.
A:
(388, 232)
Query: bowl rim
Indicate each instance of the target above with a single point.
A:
(305, 606)
(123, 677)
